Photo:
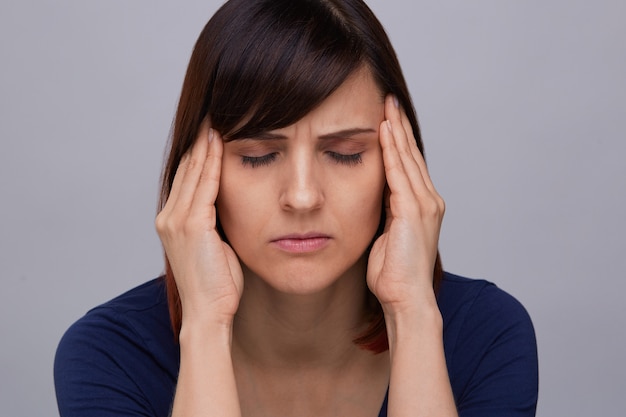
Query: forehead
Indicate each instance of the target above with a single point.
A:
(357, 104)
(358, 101)
(360, 85)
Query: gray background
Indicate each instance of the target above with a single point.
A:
(521, 105)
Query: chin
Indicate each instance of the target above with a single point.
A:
(310, 278)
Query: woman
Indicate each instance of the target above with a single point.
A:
(300, 229)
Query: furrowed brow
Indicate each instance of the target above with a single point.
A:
(341, 134)
(347, 133)
(261, 136)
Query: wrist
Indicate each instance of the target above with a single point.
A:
(211, 331)
(418, 321)
(415, 301)
(414, 315)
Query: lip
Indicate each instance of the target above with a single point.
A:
(302, 242)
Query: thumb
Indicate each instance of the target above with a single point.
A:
(388, 215)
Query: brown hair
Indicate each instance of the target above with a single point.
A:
(261, 65)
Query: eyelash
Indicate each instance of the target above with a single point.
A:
(257, 161)
(339, 158)
(349, 160)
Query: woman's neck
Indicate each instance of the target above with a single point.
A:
(294, 331)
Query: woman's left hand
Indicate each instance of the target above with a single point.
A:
(402, 260)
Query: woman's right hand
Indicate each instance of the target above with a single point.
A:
(207, 272)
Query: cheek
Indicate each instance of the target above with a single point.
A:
(375, 198)
(233, 199)
(376, 179)
(364, 197)
(244, 202)
(376, 190)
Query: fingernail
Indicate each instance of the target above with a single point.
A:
(211, 134)
(395, 101)
(388, 124)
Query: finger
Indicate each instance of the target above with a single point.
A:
(387, 202)
(176, 184)
(203, 205)
(401, 140)
(412, 158)
(393, 113)
(417, 154)
(193, 170)
(397, 179)
(421, 162)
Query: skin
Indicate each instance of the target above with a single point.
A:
(324, 174)
(284, 345)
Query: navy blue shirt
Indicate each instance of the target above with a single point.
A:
(121, 358)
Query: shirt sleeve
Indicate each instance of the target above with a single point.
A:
(96, 366)
(500, 375)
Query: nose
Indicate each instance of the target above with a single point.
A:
(302, 189)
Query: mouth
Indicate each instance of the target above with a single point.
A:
(302, 243)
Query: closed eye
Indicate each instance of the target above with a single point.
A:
(349, 160)
(257, 161)
(339, 158)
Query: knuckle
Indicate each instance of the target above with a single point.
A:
(432, 208)
(211, 212)
(159, 223)
(167, 226)
(162, 222)
(404, 149)
(394, 167)
(189, 226)
(206, 177)
(192, 163)
(193, 224)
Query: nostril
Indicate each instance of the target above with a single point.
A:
(302, 195)
(302, 181)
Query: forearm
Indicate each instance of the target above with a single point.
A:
(419, 383)
(206, 381)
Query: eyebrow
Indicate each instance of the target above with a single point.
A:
(341, 134)
(347, 133)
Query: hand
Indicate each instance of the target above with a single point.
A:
(207, 272)
(401, 262)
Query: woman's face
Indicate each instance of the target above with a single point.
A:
(300, 205)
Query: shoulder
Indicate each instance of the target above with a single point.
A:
(462, 299)
(139, 315)
(123, 352)
(490, 347)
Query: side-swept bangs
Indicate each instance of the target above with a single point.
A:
(262, 65)
(283, 59)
